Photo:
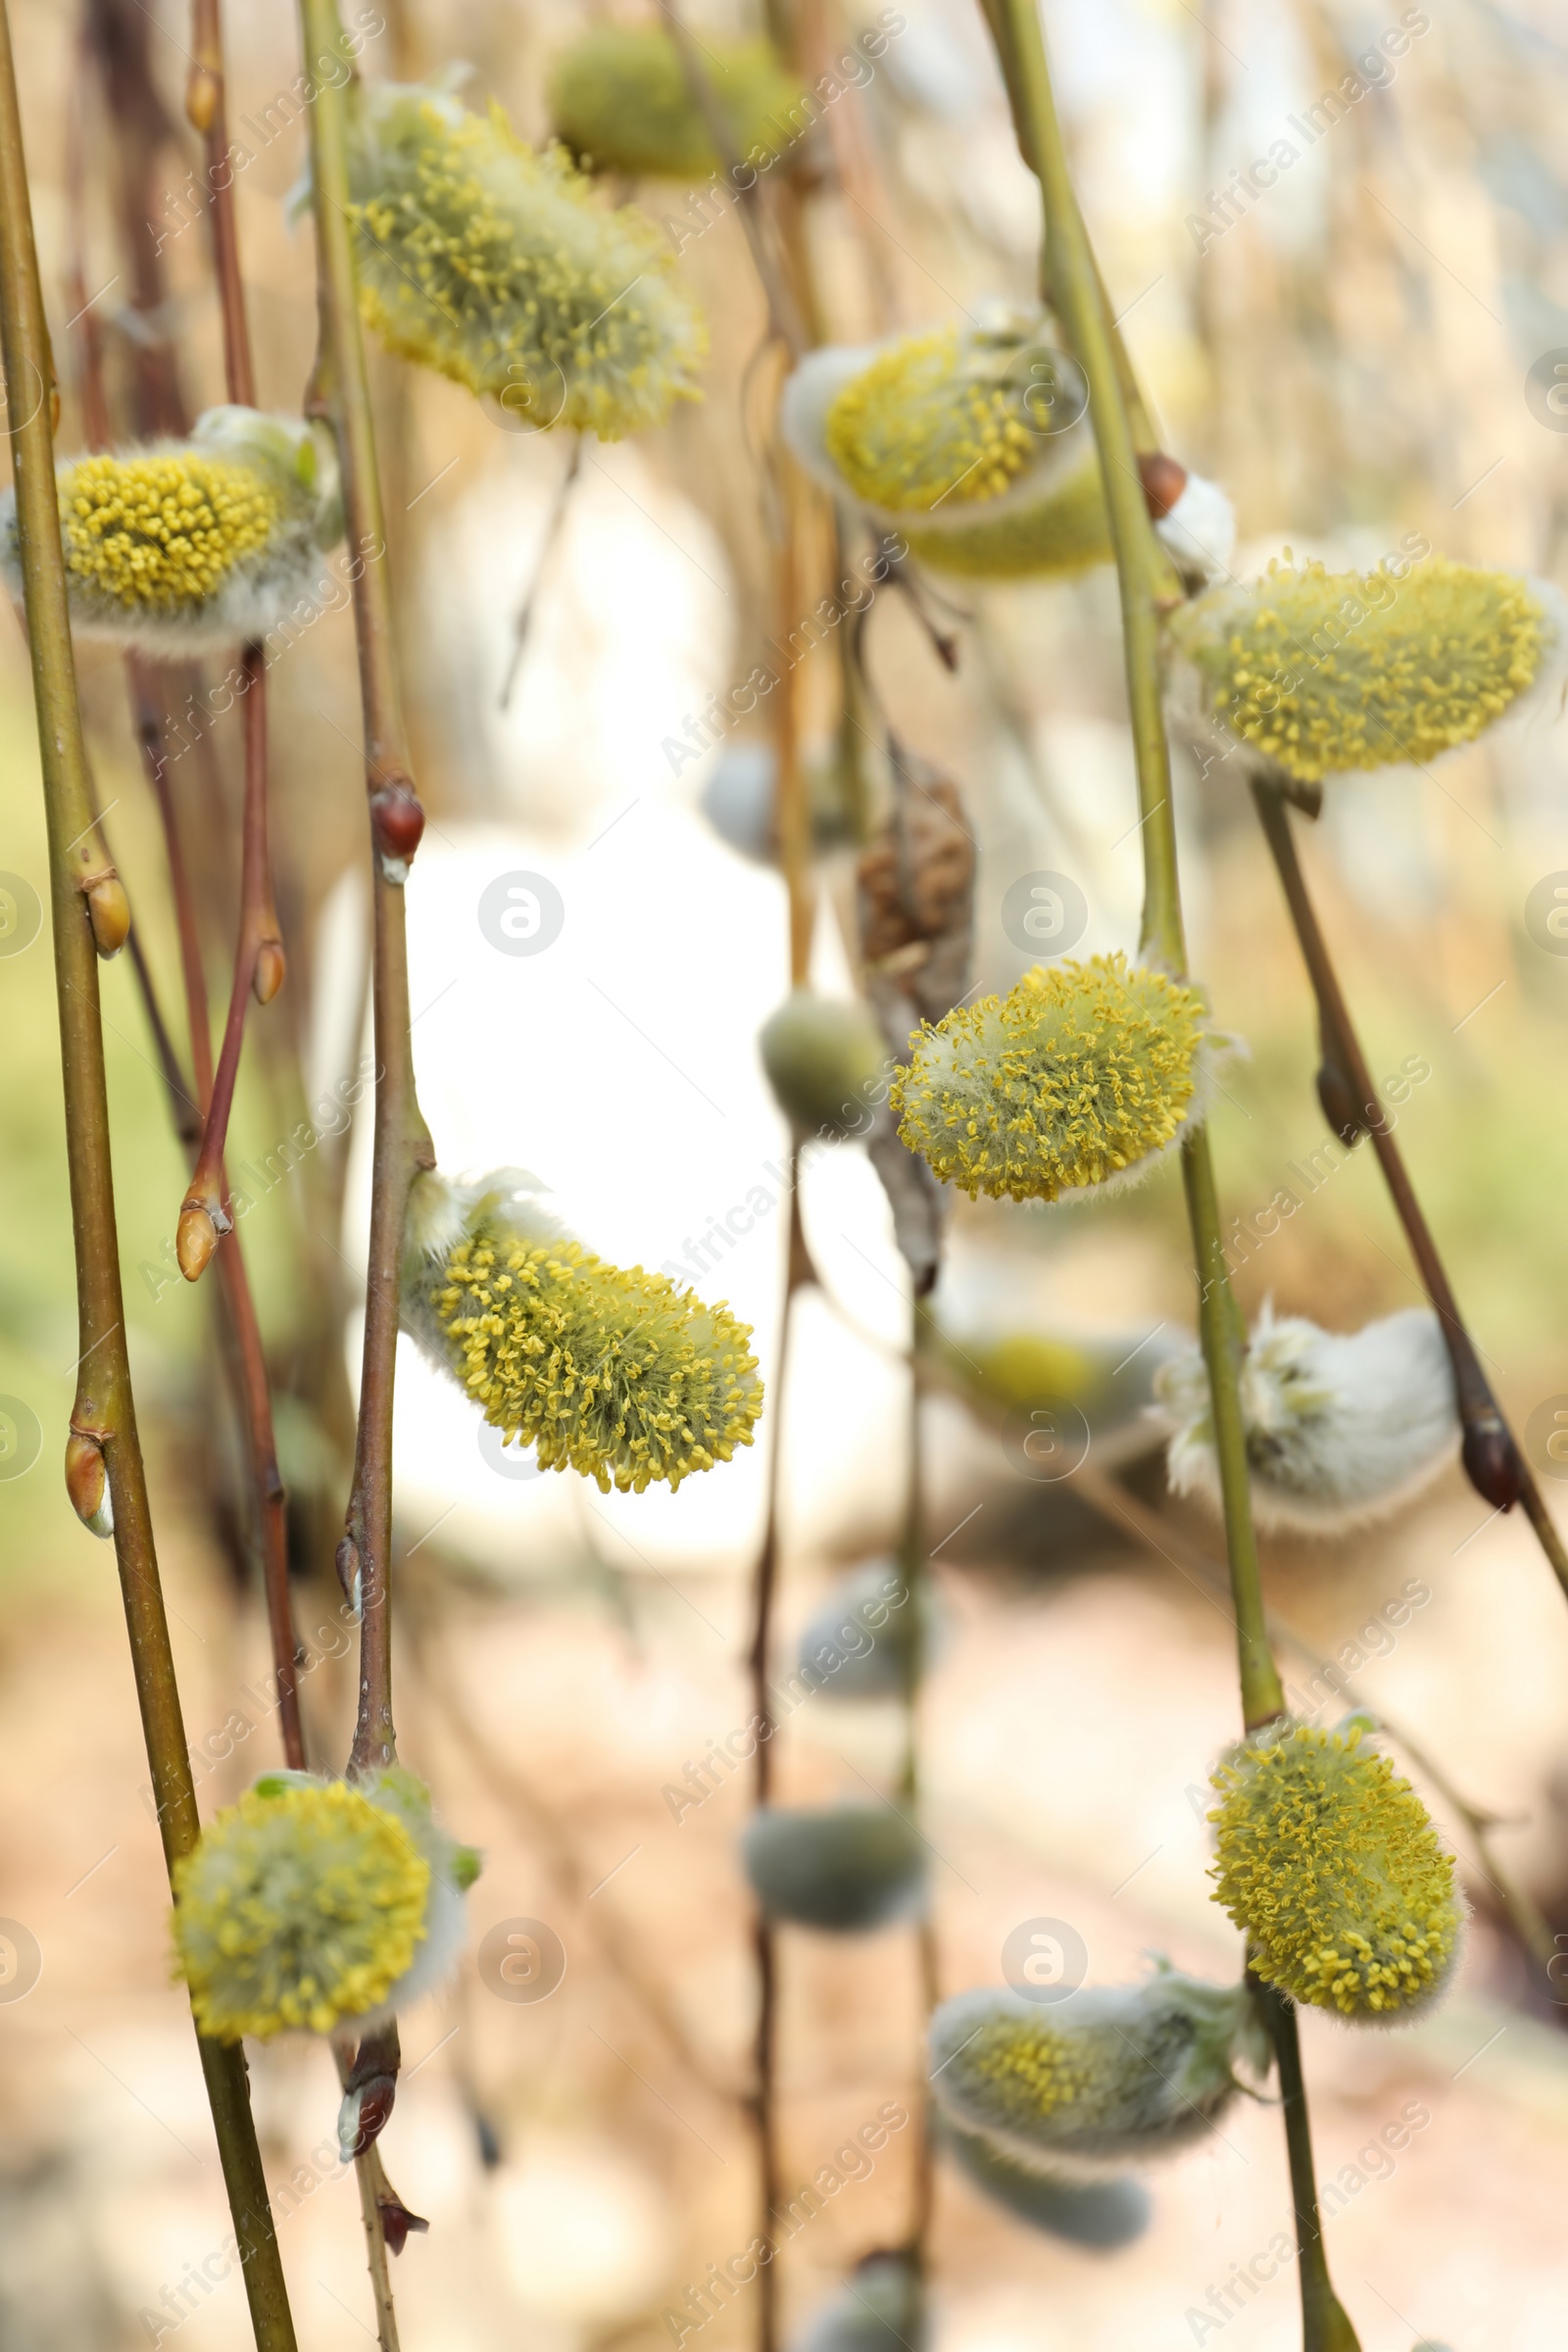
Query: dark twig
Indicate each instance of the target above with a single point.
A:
(1494, 1460)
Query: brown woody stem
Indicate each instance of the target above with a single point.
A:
(402, 1143)
(104, 1404)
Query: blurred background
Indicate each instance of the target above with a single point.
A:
(1363, 350)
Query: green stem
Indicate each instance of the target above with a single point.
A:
(1147, 588)
(105, 1408)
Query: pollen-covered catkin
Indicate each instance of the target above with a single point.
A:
(609, 1371)
(312, 1902)
(1110, 2075)
(971, 441)
(1080, 1076)
(183, 544)
(1327, 1860)
(497, 265)
(1318, 672)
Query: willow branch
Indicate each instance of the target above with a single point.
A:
(401, 1142)
(103, 1416)
(1494, 1460)
(205, 1216)
(189, 1115)
(1148, 585)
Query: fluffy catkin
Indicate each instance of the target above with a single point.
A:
(179, 546)
(961, 439)
(1342, 1427)
(497, 265)
(1107, 2076)
(1080, 1076)
(1327, 1860)
(609, 1371)
(312, 1902)
(1318, 671)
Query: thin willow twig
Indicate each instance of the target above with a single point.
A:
(1494, 1462)
(206, 1217)
(402, 1144)
(103, 1416)
(1147, 586)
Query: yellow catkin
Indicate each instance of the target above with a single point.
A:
(1325, 671)
(1327, 1859)
(918, 428)
(157, 532)
(1078, 1074)
(497, 265)
(612, 1372)
(301, 1905)
(1031, 2071)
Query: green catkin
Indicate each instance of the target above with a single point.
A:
(1327, 1859)
(1077, 1077)
(498, 267)
(1324, 671)
(620, 100)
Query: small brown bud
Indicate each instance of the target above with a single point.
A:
(1491, 1461)
(195, 1240)
(396, 2223)
(270, 966)
(1339, 1108)
(397, 822)
(88, 1483)
(1163, 481)
(109, 912)
(347, 1564)
(202, 91)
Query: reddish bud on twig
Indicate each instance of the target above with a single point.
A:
(363, 2114)
(1163, 481)
(347, 1564)
(397, 825)
(1491, 1461)
(396, 2223)
(195, 1240)
(88, 1483)
(109, 912)
(270, 966)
